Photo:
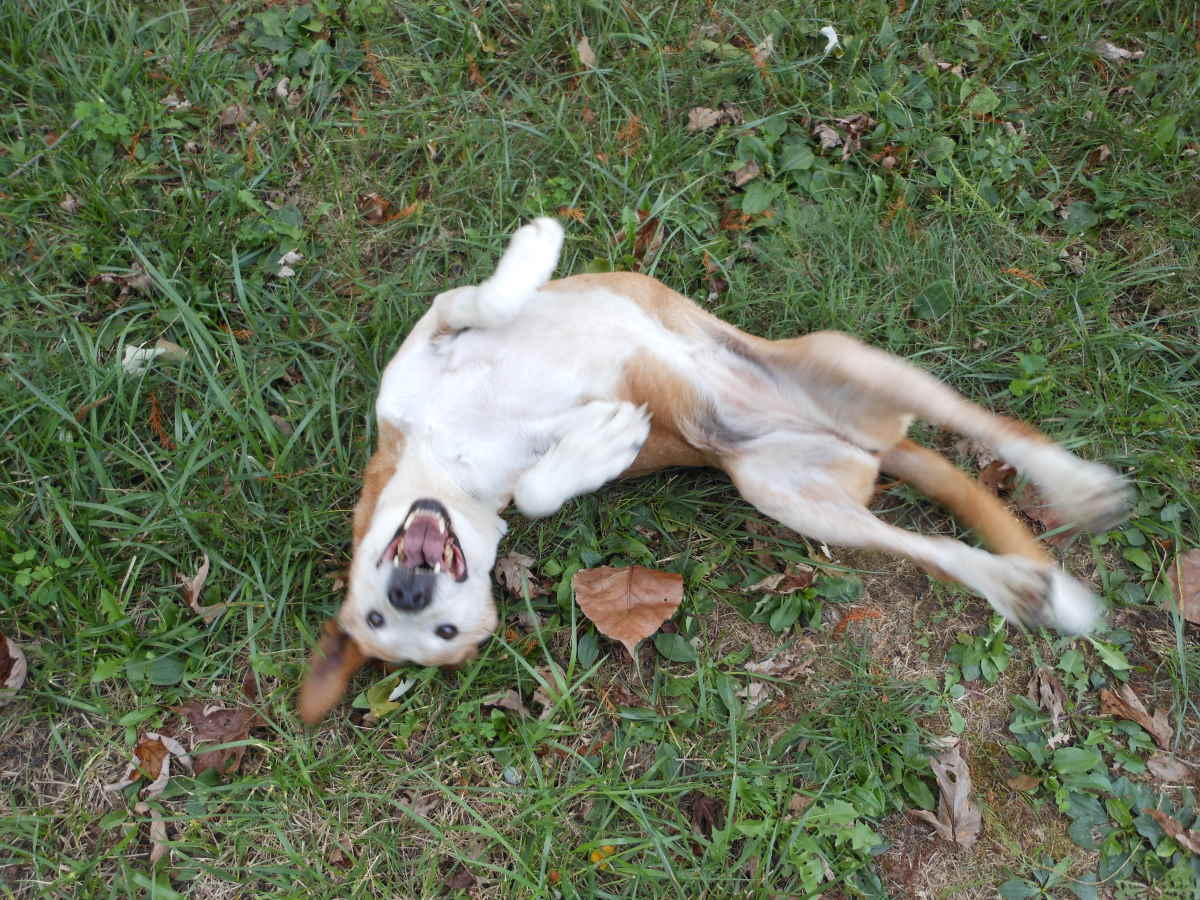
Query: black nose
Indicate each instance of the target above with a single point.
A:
(410, 590)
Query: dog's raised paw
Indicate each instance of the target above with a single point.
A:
(531, 257)
(1037, 595)
(603, 441)
(1090, 496)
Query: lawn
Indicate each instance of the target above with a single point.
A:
(1004, 193)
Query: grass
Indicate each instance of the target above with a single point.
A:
(979, 230)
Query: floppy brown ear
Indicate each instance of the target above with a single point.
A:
(334, 661)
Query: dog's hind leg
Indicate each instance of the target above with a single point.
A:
(862, 387)
(599, 441)
(526, 265)
(822, 499)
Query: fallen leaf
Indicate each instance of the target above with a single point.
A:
(1047, 692)
(958, 818)
(762, 51)
(705, 812)
(158, 830)
(701, 118)
(630, 135)
(1023, 782)
(587, 56)
(969, 450)
(191, 594)
(175, 104)
(571, 212)
(459, 879)
(216, 723)
(1099, 156)
(827, 136)
(997, 476)
(69, 204)
(746, 174)
(952, 68)
(281, 88)
(796, 577)
(1169, 768)
(1125, 704)
(756, 694)
(342, 856)
(1184, 576)
(791, 663)
(13, 669)
(152, 761)
(627, 604)
(514, 572)
(1113, 53)
(1188, 839)
(234, 114)
(509, 700)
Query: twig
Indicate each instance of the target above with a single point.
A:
(29, 162)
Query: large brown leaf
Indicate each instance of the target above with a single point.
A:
(958, 818)
(1184, 576)
(13, 669)
(215, 723)
(1125, 704)
(627, 604)
(1047, 692)
(1189, 839)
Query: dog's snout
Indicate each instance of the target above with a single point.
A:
(409, 590)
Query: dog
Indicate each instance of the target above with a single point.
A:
(532, 391)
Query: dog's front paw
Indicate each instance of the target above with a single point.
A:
(530, 259)
(604, 440)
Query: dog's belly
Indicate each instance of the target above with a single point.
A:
(489, 402)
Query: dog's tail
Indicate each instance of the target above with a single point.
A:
(526, 265)
(972, 504)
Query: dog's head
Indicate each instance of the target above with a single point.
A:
(420, 586)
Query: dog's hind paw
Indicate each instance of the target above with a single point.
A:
(1044, 595)
(1090, 496)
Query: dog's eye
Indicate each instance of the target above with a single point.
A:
(375, 618)
(446, 632)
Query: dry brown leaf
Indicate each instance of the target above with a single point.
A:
(1169, 768)
(627, 604)
(1023, 782)
(827, 136)
(509, 700)
(69, 204)
(958, 818)
(701, 118)
(152, 761)
(191, 595)
(234, 114)
(799, 803)
(755, 695)
(704, 812)
(1125, 704)
(13, 669)
(215, 723)
(1113, 53)
(373, 208)
(791, 663)
(1188, 839)
(797, 577)
(342, 854)
(997, 476)
(514, 571)
(158, 830)
(587, 56)
(969, 450)
(746, 174)
(458, 878)
(1184, 576)
(1047, 692)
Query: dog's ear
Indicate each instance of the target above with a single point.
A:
(335, 659)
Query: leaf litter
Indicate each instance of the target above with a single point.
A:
(958, 819)
(191, 594)
(13, 669)
(627, 604)
(1047, 692)
(1125, 704)
(1184, 576)
(515, 572)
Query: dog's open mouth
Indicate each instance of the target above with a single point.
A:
(426, 542)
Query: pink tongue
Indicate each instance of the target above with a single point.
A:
(423, 544)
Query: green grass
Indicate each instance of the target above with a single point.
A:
(998, 251)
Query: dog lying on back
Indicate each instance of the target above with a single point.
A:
(531, 391)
